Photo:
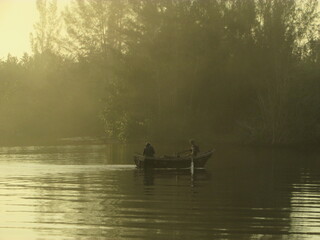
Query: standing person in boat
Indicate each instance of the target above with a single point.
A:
(148, 151)
(194, 148)
(193, 151)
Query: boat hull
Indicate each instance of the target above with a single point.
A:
(172, 162)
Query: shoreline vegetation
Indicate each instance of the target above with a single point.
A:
(245, 72)
(205, 143)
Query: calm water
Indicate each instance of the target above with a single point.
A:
(95, 192)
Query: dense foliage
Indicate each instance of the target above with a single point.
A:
(246, 70)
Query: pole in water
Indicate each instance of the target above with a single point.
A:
(192, 166)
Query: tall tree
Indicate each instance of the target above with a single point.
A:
(93, 26)
(284, 29)
(46, 36)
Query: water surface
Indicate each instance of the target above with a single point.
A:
(95, 192)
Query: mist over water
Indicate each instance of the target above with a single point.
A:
(95, 191)
(103, 72)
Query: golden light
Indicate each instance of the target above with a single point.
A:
(16, 22)
(17, 18)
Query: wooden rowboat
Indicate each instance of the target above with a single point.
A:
(172, 161)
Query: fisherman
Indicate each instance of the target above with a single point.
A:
(194, 149)
(148, 151)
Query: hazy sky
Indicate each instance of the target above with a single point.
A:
(16, 23)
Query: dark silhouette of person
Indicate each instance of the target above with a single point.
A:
(148, 151)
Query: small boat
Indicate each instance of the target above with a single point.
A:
(172, 161)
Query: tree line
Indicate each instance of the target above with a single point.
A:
(240, 70)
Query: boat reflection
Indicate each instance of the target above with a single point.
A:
(175, 176)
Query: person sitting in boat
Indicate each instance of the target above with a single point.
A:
(194, 149)
(148, 151)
